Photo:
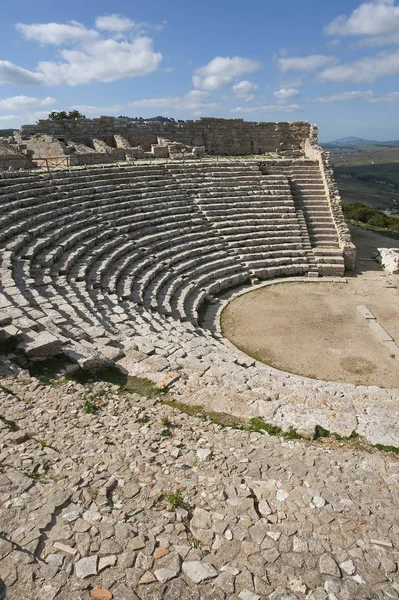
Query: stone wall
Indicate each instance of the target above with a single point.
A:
(45, 146)
(218, 136)
(48, 150)
(314, 152)
(14, 162)
(13, 156)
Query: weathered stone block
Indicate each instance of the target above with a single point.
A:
(389, 259)
(159, 151)
(43, 345)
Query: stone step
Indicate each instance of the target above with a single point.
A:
(335, 270)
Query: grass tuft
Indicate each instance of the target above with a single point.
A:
(90, 407)
(383, 448)
(320, 432)
(113, 375)
(175, 499)
(131, 385)
(258, 424)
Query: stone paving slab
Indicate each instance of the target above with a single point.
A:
(365, 312)
(381, 334)
(392, 347)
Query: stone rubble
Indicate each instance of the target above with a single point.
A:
(89, 504)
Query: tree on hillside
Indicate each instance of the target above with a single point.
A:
(75, 114)
(71, 116)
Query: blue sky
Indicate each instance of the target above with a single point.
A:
(335, 64)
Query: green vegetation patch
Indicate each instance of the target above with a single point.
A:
(320, 432)
(113, 375)
(383, 448)
(368, 177)
(219, 418)
(372, 219)
(258, 424)
(175, 499)
(128, 384)
(90, 407)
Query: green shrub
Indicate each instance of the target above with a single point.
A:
(378, 221)
(371, 217)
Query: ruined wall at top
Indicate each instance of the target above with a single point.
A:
(13, 156)
(45, 146)
(219, 136)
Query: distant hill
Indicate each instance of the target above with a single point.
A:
(347, 141)
(356, 142)
(7, 132)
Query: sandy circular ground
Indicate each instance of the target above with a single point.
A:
(314, 329)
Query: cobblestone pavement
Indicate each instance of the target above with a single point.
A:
(138, 500)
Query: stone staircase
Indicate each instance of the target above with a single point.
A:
(310, 199)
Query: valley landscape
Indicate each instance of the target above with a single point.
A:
(367, 171)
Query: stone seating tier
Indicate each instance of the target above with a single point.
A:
(159, 239)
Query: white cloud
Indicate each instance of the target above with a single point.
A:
(245, 89)
(365, 70)
(115, 23)
(9, 117)
(91, 58)
(56, 33)
(291, 82)
(25, 103)
(344, 96)
(389, 98)
(378, 21)
(222, 72)
(306, 63)
(10, 73)
(98, 110)
(284, 94)
(368, 96)
(195, 102)
(270, 108)
(103, 60)
(35, 116)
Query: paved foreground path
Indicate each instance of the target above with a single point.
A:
(139, 500)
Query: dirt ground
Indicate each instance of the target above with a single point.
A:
(315, 329)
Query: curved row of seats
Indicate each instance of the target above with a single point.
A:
(127, 251)
(253, 214)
